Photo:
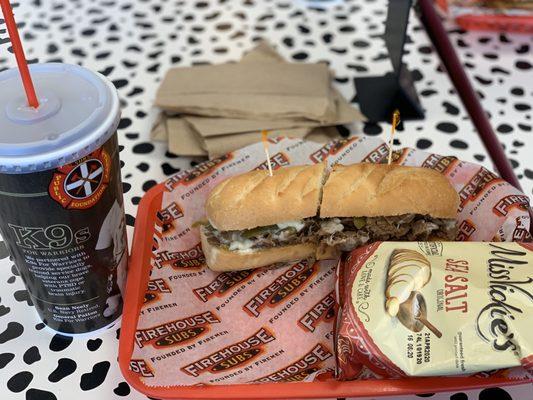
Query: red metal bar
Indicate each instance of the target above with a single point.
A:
(438, 35)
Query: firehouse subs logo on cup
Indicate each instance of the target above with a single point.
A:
(80, 185)
(271, 325)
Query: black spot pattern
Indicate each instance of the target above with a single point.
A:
(65, 367)
(31, 355)
(504, 128)
(94, 344)
(60, 342)
(143, 148)
(450, 108)
(494, 393)
(3, 309)
(13, 330)
(130, 220)
(123, 389)
(447, 127)
(37, 394)
(148, 185)
(423, 144)
(96, 377)
(459, 396)
(459, 144)
(20, 381)
(143, 167)
(169, 169)
(5, 358)
(23, 295)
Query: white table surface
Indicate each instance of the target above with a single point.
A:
(134, 42)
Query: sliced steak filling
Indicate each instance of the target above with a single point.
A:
(283, 234)
(346, 234)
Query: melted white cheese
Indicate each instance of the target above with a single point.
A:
(298, 225)
(331, 226)
(241, 245)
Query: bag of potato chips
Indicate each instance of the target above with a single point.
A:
(435, 309)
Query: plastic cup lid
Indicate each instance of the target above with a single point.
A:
(78, 112)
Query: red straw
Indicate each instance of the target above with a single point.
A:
(19, 53)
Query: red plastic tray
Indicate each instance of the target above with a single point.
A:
(139, 269)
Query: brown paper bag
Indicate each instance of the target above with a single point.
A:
(159, 131)
(263, 52)
(198, 137)
(183, 139)
(323, 134)
(249, 90)
(208, 127)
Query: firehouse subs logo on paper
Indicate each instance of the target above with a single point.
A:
(192, 175)
(331, 148)
(155, 288)
(377, 155)
(177, 333)
(141, 368)
(509, 202)
(277, 161)
(233, 356)
(192, 258)
(283, 288)
(441, 164)
(168, 215)
(223, 284)
(474, 188)
(81, 184)
(323, 311)
(466, 229)
(302, 369)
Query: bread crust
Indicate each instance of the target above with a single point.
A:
(220, 259)
(257, 199)
(374, 190)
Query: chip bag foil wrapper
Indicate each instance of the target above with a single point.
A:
(199, 327)
(435, 309)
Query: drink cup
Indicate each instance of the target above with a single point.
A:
(61, 205)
